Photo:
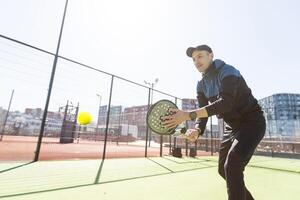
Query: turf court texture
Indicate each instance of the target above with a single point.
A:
(145, 178)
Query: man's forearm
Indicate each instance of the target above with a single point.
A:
(201, 112)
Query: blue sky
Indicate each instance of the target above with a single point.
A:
(143, 40)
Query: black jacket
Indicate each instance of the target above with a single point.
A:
(231, 99)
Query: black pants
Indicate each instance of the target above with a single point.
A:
(236, 153)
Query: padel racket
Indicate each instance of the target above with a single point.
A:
(154, 118)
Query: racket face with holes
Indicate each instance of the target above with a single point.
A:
(154, 114)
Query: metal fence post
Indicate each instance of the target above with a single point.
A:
(38, 147)
(107, 117)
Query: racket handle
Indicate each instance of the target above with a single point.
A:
(180, 131)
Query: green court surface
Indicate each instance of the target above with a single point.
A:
(144, 178)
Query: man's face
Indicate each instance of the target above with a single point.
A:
(202, 60)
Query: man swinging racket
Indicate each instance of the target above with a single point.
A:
(231, 99)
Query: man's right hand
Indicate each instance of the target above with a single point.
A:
(192, 134)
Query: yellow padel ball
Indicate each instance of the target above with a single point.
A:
(84, 118)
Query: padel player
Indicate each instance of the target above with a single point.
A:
(231, 99)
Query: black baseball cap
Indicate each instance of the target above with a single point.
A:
(203, 47)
